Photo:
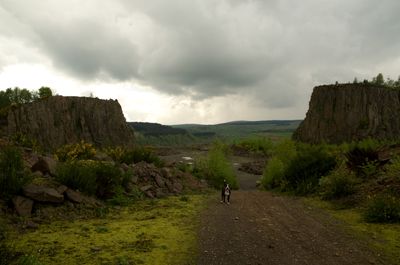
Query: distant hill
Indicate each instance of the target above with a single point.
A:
(189, 134)
(241, 129)
(156, 129)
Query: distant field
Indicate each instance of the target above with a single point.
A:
(242, 129)
(187, 134)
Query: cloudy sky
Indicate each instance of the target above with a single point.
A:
(197, 61)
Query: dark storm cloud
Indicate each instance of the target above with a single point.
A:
(270, 50)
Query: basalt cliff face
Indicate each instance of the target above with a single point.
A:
(58, 120)
(350, 112)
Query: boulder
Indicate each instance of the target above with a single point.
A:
(169, 185)
(125, 167)
(146, 188)
(178, 187)
(149, 194)
(23, 205)
(159, 180)
(61, 189)
(46, 165)
(134, 179)
(165, 172)
(42, 194)
(160, 193)
(74, 196)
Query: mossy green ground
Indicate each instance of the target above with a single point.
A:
(384, 238)
(148, 232)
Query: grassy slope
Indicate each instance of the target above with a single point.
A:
(384, 238)
(149, 232)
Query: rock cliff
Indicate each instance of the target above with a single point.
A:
(349, 112)
(58, 120)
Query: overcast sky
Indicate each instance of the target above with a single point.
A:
(197, 61)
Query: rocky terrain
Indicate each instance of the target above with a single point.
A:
(350, 112)
(44, 191)
(57, 120)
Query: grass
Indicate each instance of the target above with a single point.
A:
(383, 238)
(148, 232)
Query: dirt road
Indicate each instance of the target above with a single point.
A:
(261, 228)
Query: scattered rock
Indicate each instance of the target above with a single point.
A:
(160, 193)
(42, 194)
(146, 188)
(31, 225)
(100, 156)
(178, 188)
(149, 194)
(165, 172)
(125, 167)
(134, 179)
(46, 165)
(170, 186)
(74, 196)
(160, 182)
(61, 189)
(23, 205)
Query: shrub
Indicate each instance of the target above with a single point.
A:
(393, 168)
(137, 154)
(363, 157)
(307, 167)
(339, 183)
(12, 175)
(215, 168)
(383, 208)
(25, 141)
(90, 177)
(273, 174)
(78, 151)
(257, 144)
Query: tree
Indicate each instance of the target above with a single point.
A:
(45, 92)
(379, 80)
(355, 81)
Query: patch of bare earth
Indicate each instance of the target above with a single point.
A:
(262, 228)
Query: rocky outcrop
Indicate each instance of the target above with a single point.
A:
(58, 120)
(351, 112)
(42, 194)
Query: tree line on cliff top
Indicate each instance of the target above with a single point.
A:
(380, 81)
(22, 95)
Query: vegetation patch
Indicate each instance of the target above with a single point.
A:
(384, 238)
(216, 168)
(12, 174)
(124, 236)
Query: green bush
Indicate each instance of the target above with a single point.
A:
(273, 174)
(392, 169)
(90, 177)
(363, 157)
(215, 168)
(12, 175)
(339, 183)
(303, 172)
(256, 144)
(137, 154)
(383, 208)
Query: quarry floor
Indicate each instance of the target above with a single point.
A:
(260, 227)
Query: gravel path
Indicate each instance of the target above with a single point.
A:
(262, 228)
